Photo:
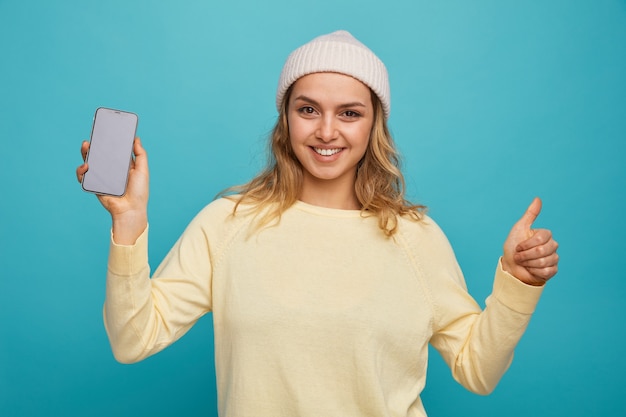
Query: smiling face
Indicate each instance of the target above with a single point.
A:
(330, 118)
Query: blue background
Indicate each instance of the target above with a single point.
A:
(493, 103)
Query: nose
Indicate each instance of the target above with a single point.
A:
(327, 129)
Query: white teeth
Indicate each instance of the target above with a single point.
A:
(326, 152)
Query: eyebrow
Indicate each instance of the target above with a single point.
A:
(341, 106)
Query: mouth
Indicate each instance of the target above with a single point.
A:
(327, 152)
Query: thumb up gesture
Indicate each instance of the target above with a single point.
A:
(530, 254)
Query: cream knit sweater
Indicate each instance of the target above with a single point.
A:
(320, 315)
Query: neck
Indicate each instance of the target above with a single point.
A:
(330, 194)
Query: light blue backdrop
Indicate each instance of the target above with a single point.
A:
(493, 103)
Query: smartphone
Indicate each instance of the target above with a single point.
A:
(110, 151)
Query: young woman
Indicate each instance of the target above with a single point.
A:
(325, 284)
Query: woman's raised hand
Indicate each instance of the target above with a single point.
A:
(129, 213)
(530, 254)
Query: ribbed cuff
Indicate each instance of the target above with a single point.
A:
(515, 294)
(126, 260)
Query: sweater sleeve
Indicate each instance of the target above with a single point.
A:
(478, 345)
(143, 315)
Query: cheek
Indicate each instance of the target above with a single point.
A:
(362, 136)
(295, 131)
(299, 137)
(295, 141)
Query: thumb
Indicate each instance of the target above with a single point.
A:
(139, 152)
(138, 147)
(531, 214)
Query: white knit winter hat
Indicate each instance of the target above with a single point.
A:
(336, 52)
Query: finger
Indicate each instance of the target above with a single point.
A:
(536, 252)
(80, 172)
(537, 237)
(84, 148)
(542, 262)
(544, 274)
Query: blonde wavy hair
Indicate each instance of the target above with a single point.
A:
(379, 185)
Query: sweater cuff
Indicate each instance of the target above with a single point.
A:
(127, 260)
(515, 294)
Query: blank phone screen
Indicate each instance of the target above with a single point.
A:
(110, 152)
